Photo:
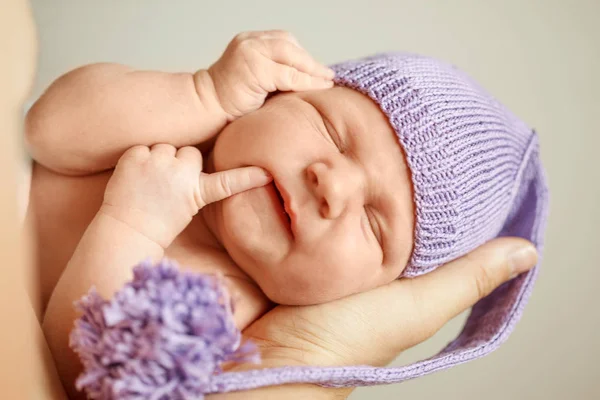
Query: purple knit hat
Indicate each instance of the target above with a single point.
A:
(476, 174)
(469, 156)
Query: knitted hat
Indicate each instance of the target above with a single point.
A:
(466, 152)
(476, 175)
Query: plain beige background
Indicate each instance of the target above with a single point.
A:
(541, 58)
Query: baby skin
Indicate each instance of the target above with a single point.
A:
(300, 199)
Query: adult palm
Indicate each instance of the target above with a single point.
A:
(374, 327)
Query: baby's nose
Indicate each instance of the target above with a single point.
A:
(334, 187)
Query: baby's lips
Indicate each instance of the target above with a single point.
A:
(288, 207)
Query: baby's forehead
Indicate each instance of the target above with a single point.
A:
(354, 116)
(337, 95)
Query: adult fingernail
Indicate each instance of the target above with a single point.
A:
(522, 259)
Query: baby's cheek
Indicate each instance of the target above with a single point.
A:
(320, 274)
(352, 246)
(356, 263)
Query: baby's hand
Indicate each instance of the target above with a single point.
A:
(257, 63)
(158, 190)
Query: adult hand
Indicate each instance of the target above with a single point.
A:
(375, 326)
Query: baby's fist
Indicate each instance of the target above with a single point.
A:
(257, 63)
(157, 190)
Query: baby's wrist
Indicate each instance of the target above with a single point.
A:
(139, 223)
(208, 95)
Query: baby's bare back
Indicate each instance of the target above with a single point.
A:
(62, 208)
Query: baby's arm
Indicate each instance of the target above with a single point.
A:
(87, 118)
(103, 259)
(150, 198)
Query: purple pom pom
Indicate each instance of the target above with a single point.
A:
(162, 336)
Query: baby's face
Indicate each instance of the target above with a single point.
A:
(338, 218)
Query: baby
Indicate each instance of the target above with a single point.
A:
(403, 165)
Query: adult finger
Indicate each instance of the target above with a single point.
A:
(453, 288)
(220, 185)
(435, 298)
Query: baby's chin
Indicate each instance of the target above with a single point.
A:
(282, 286)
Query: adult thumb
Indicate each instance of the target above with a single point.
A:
(441, 295)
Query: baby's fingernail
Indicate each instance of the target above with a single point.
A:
(327, 83)
(330, 73)
(522, 259)
(266, 174)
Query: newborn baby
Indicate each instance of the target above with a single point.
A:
(402, 166)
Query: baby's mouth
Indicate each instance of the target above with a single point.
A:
(283, 205)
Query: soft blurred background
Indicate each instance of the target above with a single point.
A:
(541, 58)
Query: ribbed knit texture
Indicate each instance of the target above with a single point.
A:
(476, 175)
(465, 150)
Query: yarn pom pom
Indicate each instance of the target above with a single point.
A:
(162, 336)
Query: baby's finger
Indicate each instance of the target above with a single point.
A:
(287, 53)
(220, 185)
(274, 34)
(190, 154)
(288, 78)
(163, 149)
(139, 152)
